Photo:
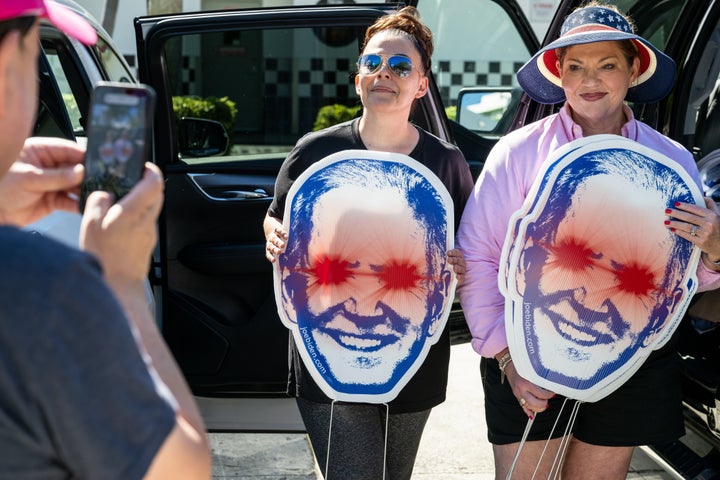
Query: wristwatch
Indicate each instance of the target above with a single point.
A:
(503, 362)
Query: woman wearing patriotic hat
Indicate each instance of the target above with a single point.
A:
(652, 77)
(596, 65)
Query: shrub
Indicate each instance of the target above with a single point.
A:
(72, 107)
(221, 109)
(330, 115)
(451, 112)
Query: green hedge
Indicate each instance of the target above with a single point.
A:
(451, 112)
(72, 107)
(330, 115)
(221, 109)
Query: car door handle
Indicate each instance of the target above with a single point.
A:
(240, 194)
(232, 188)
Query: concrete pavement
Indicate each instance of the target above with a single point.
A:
(454, 445)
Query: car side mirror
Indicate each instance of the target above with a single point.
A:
(201, 137)
(481, 109)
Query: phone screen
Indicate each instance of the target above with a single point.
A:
(118, 143)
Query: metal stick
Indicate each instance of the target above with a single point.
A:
(520, 446)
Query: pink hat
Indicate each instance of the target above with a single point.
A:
(60, 16)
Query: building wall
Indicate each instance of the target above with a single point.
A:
(539, 12)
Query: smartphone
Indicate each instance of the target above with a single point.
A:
(119, 129)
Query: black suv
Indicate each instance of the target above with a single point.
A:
(289, 69)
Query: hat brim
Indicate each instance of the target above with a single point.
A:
(70, 22)
(540, 79)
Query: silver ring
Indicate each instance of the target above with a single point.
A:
(693, 231)
(522, 402)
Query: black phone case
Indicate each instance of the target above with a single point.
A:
(119, 132)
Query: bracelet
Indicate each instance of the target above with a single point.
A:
(503, 362)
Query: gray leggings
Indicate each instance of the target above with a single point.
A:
(358, 438)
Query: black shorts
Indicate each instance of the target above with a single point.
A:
(646, 409)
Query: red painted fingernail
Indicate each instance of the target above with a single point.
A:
(667, 222)
(668, 211)
(531, 417)
(672, 229)
(677, 204)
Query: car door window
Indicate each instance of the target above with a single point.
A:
(268, 87)
(271, 86)
(115, 68)
(478, 48)
(64, 71)
(75, 69)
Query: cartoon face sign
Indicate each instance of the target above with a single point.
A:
(595, 279)
(364, 284)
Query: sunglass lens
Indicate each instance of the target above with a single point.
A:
(402, 66)
(369, 63)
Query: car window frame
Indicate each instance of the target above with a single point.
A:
(153, 32)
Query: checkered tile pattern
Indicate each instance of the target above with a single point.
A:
(332, 79)
(453, 75)
(188, 73)
(316, 77)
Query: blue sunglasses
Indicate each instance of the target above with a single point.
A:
(400, 65)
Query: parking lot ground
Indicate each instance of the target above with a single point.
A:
(454, 445)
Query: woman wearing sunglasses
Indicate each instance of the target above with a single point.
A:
(392, 74)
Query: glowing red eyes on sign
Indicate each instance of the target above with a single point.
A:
(635, 279)
(573, 254)
(397, 275)
(394, 275)
(330, 270)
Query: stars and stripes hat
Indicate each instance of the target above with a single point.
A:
(540, 78)
(59, 15)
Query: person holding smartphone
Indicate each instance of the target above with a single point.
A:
(89, 389)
